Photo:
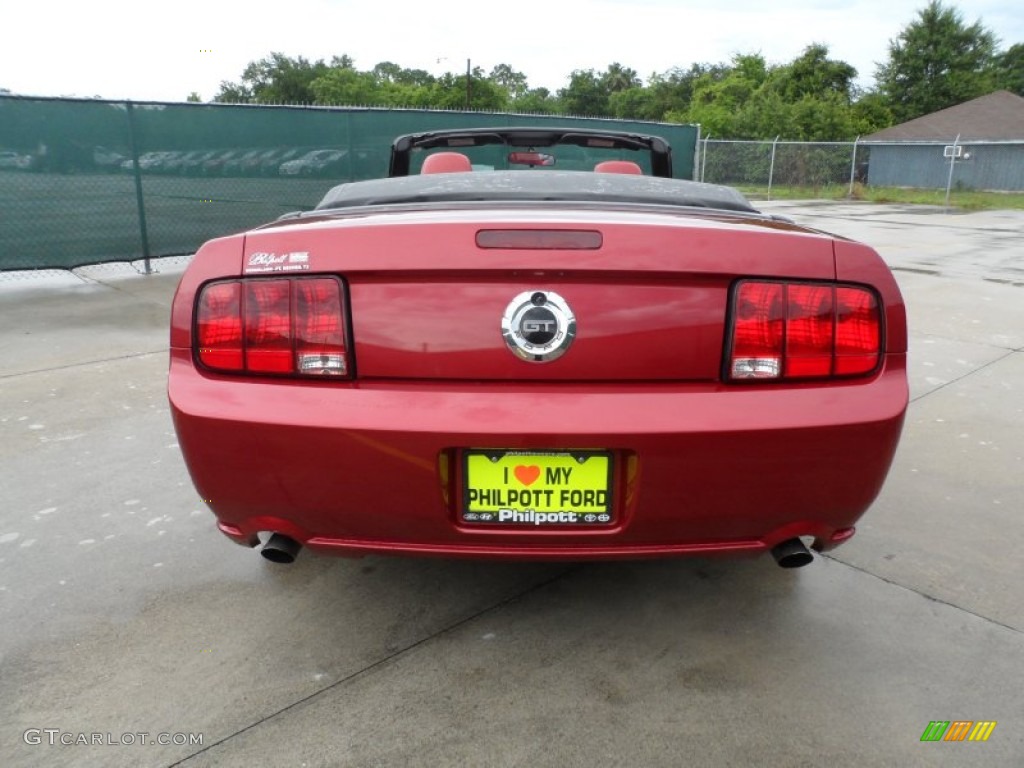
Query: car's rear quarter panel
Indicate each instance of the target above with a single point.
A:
(372, 464)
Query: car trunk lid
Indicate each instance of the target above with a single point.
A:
(648, 292)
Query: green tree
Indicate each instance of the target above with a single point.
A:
(764, 115)
(672, 91)
(233, 93)
(811, 98)
(619, 78)
(1009, 66)
(344, 85)
(387, 72)
(937, 61)
(825, 118)
(278, 79)
(814, 74)
(585, 94)
(632, 104)
(513, 82)
(870, 113)
(194, 96)
(449, 92)
(396, 86)
(538, 101)
(718, 98)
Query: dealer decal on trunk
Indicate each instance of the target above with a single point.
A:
(262, 261)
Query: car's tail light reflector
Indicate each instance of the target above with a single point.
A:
(319, 328)
(759, 313)
(798, 330)
(810, 330)
(291, 326)
(857, 331)
(268, 326)
(219, 326)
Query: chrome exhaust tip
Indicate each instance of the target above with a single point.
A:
(792, 554)
(281, 549)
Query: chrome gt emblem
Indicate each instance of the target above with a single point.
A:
(538, 326)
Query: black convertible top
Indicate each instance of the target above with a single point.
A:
(534, 186)
(657, 149)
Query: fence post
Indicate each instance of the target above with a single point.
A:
(697, 158)
(137, 173)
(351, 148)
(704, 157)
(952, 163)
(771, 168)
(853, 167)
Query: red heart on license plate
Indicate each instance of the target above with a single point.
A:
(527, 475)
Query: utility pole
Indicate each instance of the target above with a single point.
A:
(469, 79)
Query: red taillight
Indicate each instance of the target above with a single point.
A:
(810, 330)
(759, 315)
(219, 326)
(803, 330)
(857, 331)
(319, 328)
(290, 326)
(268, 326)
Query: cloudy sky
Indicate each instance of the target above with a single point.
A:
(164, 51)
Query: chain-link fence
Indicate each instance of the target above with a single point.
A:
(816, 169)
(88, 181)
(762, 165)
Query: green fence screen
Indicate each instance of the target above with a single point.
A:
(89, 181)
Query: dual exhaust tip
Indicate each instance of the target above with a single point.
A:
(791, 554)
(788, 554)
(281, 549)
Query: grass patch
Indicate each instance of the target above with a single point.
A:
(968, 200)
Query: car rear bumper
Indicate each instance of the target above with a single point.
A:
(361, 467)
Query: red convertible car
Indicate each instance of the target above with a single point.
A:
(487, 354)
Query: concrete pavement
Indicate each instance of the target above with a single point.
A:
(125, 613)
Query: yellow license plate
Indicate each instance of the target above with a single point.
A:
(537, 488)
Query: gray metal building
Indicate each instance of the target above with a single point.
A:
(981, 141)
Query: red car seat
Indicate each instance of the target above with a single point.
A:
(447, 162)
(618, 166)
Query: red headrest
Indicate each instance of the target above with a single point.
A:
(618, 166)
(446, 162)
